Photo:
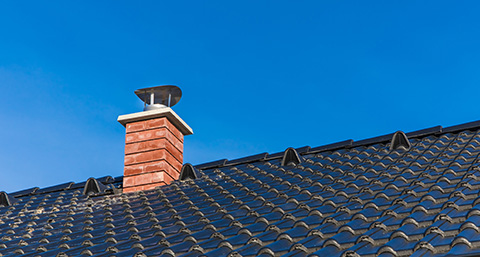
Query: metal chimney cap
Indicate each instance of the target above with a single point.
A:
(159, 96)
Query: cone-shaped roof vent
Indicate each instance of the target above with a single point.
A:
(93, 187)
(399, 139)
(159, 96)
(290, 156)
(188, 171)
(6, 200)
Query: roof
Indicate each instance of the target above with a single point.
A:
(372, 197)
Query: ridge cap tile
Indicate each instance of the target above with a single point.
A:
(460, 127)
(425, 132)
(332, 146)
(251, 158)
(373, 140)
(212, 164)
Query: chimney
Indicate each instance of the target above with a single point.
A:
(154, 140)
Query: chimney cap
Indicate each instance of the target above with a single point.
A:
(159, 96)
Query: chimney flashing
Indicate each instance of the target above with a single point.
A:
(157, 113)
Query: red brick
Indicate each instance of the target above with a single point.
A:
(143, 157)
(132, 189)
(148, 167)
(177, 164)
(178, 155)
(164, 123)
(133, 169)
(143, 187)
(150, 156)
(158, 166)
(165, 132)
(154, 133)
(152, 145)
(147, 135)
(170, 169)
(161, 177)
(178, 134)
(128, 181)
(149, 178)
(156, 123)
(142, 179)
(135, 126)
(178, 144)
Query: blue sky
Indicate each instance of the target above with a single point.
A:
(256, 76)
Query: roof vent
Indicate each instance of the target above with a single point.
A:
(399, 139)
(159, 97)
(188, 171)
(94, 187)
(290, 156)
(6, 200)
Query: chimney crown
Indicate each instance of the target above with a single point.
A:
(154, 114)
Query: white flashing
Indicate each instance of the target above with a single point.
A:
(157, 113)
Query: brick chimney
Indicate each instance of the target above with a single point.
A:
(154, 140)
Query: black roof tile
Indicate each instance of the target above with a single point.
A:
(344, 199)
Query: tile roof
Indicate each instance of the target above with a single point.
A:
(345, 199)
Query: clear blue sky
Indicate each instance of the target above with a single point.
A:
(257, 76)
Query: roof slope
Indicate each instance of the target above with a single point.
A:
(345, 199)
